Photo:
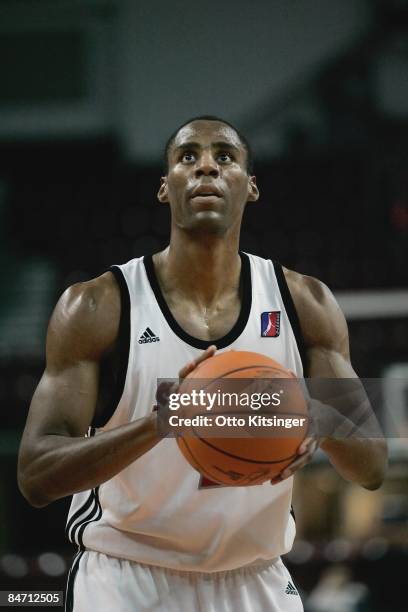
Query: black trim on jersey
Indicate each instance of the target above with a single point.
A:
(69, 593)
(291, 311)
(237, 329)
(85, 506)
(88, 518)
(96, 516)
(89, 511)
(123, 347)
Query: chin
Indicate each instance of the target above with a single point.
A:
(206, 222)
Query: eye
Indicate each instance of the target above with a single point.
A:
(188, 157)
(225, 157)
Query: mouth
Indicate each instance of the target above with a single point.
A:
(204, 191)
(205, 199)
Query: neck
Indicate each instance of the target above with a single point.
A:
(202, 269)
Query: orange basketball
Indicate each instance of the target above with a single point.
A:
(265, 439)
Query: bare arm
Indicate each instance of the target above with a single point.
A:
(55, 459)
(360, 459)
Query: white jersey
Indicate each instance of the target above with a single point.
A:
(158, 510)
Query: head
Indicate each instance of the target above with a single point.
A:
(208, 178)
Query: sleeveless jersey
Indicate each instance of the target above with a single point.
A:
(157, 511)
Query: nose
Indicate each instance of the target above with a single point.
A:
(206, 165)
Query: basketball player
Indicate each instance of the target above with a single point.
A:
(151, 536)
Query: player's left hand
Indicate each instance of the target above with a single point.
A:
(304, 454)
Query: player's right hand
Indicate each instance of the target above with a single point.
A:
(189, 367)
(166, 388)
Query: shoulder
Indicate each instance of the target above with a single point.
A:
(92, 298)
(321, 319)
(85, 321)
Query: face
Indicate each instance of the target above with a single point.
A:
(207, 184)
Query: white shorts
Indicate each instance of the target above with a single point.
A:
(98, 583)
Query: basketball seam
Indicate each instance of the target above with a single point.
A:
(213, 446)
(220, 450)
(201, 469)
(248, 367)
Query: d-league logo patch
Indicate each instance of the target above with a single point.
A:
(270, 324)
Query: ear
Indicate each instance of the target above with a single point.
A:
(162, 194)
(253, 191)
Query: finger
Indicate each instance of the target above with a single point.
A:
(209, 352)
(296, 464)
(308, 443)
(163, 392)
(300, 460)
(189, 367)
(290, 470)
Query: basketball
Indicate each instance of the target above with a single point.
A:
(258, 455)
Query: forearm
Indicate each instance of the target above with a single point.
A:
(57, 466)
(359, 460)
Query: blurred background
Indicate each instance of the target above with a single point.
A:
(89, 92)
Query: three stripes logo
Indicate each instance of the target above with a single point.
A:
(291, 590)
(148, 336)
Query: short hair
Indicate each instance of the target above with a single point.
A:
(244, 141)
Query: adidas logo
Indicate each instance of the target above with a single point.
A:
(148, 336)
(291, 590)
